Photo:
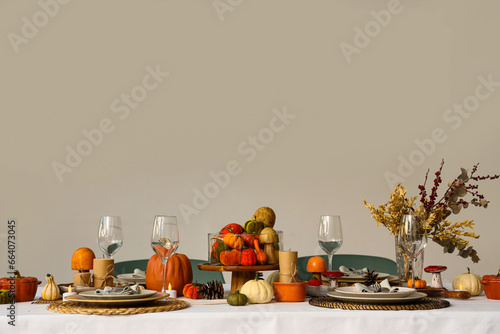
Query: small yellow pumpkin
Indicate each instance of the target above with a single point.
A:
(51, 291)
(257, 291)
(468, 281)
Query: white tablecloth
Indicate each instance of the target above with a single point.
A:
(476, 315)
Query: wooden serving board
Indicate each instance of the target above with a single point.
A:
(444, 293)
(239, 274)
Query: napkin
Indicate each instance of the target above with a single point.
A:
(139, 273)
(383, 286)
(126, 290)
(353, 272)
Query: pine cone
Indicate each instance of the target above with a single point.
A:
(371, 278)
(211, 290)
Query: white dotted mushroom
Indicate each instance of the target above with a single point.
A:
(436, 271)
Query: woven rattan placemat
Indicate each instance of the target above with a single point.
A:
(43, 301)
(423, 304)
(155, 306)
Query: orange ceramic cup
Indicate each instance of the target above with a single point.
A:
(290, 292)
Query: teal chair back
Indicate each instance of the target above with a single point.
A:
(377, 263)
(200, 276)
(127, 267)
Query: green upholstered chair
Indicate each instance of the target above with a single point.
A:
(200, 276)
(380, 264)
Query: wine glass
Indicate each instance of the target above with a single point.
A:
(412, 238)
(165, 240)
(330, 236)
(110, 235)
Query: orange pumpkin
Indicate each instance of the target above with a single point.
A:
(419, 283)
(83, 259)
(179, 273)
(191, 291)
(230, 258)
(233, 241)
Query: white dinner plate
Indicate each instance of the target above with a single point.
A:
(359, 277)
(413, 297)
(132, 278)
(351, 291)
(115, 302)
(94, 295)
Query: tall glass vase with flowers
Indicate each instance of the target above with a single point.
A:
(435, 211)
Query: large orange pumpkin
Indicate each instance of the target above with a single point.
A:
(179, 273)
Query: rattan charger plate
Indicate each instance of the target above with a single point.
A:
(152, 307)
(422, 304)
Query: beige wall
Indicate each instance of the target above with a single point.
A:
(352, 116)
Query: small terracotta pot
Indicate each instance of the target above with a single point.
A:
(290, 292)
(491, 285)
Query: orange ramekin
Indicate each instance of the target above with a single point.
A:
(290, 292)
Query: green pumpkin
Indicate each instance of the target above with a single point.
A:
(5, 296)
(254, 226)
(237, 299)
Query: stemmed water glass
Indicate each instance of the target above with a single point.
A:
(412, 238)
(330, 236)
(165, 240)
(110, 235)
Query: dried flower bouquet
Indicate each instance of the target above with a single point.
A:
(448, 235)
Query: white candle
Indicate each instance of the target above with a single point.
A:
(69, 293)
(172, 293)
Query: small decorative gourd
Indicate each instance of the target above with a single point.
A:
(468, 281)
(50, 291)
(257, 291)
(237, 299)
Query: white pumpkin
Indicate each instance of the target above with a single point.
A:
(469, 282)
(274, 276)
(257, 291)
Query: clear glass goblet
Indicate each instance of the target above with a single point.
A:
(110, 235)
(330, 236)
(165, 240)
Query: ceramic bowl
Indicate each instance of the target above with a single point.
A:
(290, 292)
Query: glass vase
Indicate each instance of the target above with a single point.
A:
(404, 264)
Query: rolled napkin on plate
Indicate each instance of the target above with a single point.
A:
(126, 290)
(139, 273)
(383, 286)
(353, 272)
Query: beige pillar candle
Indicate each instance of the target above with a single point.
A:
(103, 272)
(288, 266)
(83, 279)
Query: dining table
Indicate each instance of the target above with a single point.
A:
(474, 315)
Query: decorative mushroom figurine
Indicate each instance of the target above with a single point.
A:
(332, 276)
(269, 237)
(436, 275)
(316, 265)
(83, 259)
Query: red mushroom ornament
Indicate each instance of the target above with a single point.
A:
(332, 276)
(436, 281)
